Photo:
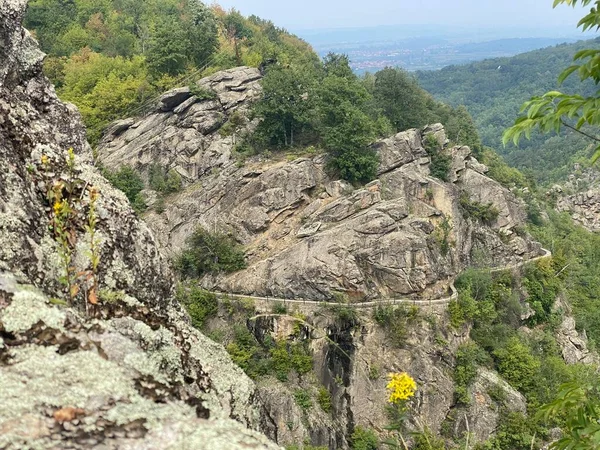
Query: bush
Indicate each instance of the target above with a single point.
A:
(363, 439)
(129, 181)
(279, 308)
(486, 214)
(202, 93)
(303, 399)
(426, 440)
(210, 253)
(324, 399)
(287, 357)
(395, 321)
(517, 365)
(164, 181)
(468, 357)
(201, 305)
(440, 161)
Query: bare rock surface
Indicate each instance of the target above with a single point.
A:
(308, 235)
(129, 372)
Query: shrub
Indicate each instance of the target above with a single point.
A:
(201, 305)
(202, 93)
(210, 253)
(468, 357)
(426, 440)
(324, 399)
(363, 439)
(164, 181)
(517, 365)
(286, 357)
(440, 161)
(486, 214)
(129, 181)
(303, 399)
(395, 321)
(279, 308)
(344, 313)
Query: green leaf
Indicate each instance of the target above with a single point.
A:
(565, 74)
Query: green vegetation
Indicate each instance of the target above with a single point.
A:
(395, 320)
(129, 181)
(278, 359)
(326, 105)
(486, 214)
(209, 252)
(163, 181)
(531, 362)
(556, 110)
(303, 399)
(364, 439)
(324, 399)
(109, 57)
(201, 305)
(468, 357)
(493, 91)
(440, 160)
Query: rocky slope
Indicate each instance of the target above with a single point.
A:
(580, 197)
(117, 365)
(309, 235)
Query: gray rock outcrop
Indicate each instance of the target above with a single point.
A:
(309, 235)
(130, 372)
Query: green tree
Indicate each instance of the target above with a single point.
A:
(287, 107)
(403, 101)
(167, 53)
(555, 110)
(236, 30)
(345, 128)
(209, 252)
(517, 365)
(578, 405)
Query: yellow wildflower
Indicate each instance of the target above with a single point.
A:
(401, 387)
(57, 207)
(45, 160)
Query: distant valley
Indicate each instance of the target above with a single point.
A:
(425, 47)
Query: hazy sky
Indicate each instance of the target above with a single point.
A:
(306, 14)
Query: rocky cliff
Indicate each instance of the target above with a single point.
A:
(580, 197)
(309, 235)
(94, 351)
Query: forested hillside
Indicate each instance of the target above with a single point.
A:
(493, 92)
(110, 56)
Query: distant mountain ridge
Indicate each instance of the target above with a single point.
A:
(493, 91)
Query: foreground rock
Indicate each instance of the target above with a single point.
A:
(130, 372)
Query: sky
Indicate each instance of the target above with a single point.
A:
(297, 15)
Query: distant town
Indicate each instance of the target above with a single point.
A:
(370, 52)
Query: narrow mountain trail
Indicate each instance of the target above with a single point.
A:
(391, 301)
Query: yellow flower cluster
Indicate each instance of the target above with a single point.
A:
(401, 387)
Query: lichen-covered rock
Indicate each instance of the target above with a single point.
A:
(120, 367)
(118, 382)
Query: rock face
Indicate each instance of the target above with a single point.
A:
(181, 131)
(130, 372)
(352, 362)
(309, 235)
(580, 197)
